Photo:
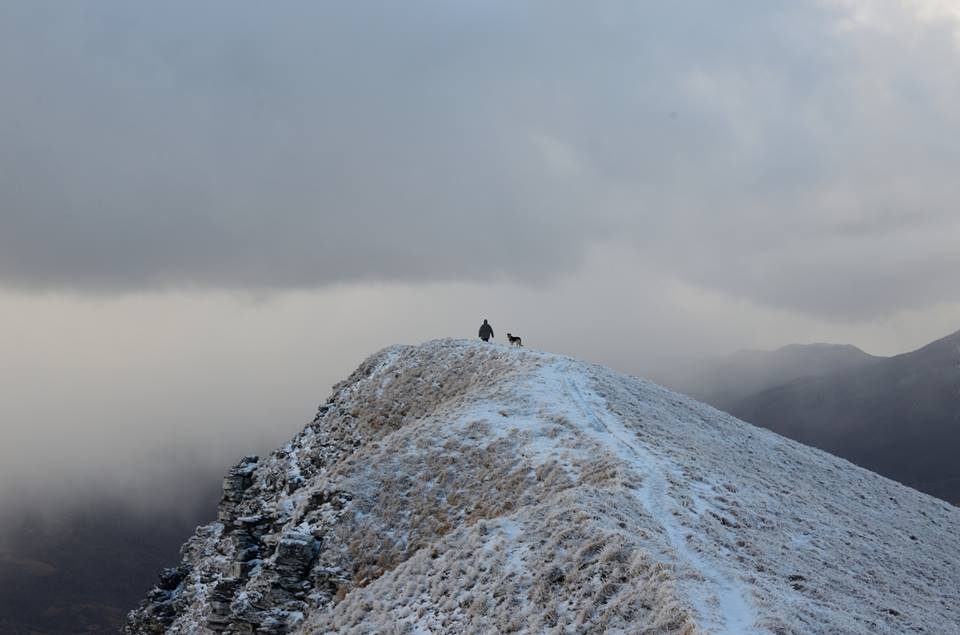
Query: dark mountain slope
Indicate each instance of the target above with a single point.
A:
(724, 382)
(80, 573)
(899, 416)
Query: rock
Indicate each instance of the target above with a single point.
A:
(238, 480)
(171, 578)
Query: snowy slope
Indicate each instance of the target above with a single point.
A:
(467, 487)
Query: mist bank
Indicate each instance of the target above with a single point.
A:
(131, 398)
(79, 569)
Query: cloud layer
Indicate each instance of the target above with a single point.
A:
(800, 155)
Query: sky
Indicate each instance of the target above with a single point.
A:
(212, 212)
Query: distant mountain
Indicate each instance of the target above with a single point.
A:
(725, 381)
(899, 416)
(461, 487)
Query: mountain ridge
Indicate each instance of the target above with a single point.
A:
(458, 486)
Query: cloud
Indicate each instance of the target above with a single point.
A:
(796, 154)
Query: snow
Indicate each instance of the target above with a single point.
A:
(722, 602)
(469, 487)
(756, 538)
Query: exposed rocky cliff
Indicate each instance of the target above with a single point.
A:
(462, 487)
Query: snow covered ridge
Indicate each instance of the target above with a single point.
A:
(462, 487)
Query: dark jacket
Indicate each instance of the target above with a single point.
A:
(486, 331)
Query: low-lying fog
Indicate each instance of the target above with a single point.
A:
(148, 399)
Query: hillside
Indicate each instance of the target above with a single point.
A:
(726, 381)
(79, 572)
(899, 416)
(462, 487)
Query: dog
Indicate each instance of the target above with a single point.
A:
(514, 340)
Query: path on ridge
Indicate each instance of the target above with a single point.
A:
(725, 608)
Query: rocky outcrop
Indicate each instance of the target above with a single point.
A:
(253, 570)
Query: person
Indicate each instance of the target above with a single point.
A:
(486, 331)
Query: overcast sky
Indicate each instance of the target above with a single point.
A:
(210, 212)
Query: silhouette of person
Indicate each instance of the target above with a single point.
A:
(486, 331)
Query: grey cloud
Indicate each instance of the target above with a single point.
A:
(252, 150)
(777, 151)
